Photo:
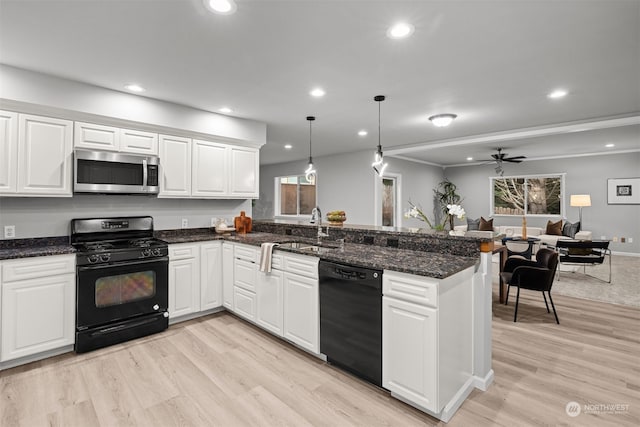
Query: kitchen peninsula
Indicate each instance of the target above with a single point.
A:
(436, 302)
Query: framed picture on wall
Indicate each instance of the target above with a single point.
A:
(623, 191)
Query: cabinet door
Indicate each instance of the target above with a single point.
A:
(243, 179)
(244, 303)
(227, 275)
(37, 315)
(210, 275)
(8, 151)
(245, 274)
(137, 141)
(209, 169)
(409, 352)
(44, 156)
(301, 312)
(175, 166)
(97, 137)
(184, 287)
(269, 301)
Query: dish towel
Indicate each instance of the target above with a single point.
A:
(266, 250)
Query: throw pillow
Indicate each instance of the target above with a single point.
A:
(473, 224)
(485, 225)
(554, 228)
(570, 230)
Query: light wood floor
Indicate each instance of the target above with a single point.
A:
(219, 370)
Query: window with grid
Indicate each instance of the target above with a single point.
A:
(295, 195)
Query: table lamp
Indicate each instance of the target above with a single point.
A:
(580, 200)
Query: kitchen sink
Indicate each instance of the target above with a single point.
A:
(310, 247)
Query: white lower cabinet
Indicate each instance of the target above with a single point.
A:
(244, 303)
(270, 298)
(427, 336)
(184, 279)
(301, 312)
(409, 355)
(245, 276)
(38, 305)
(210, 275)
(227, 275)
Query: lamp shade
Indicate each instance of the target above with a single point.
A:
(580, 200)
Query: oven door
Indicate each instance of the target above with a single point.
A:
(109, 293)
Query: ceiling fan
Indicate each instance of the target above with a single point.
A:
(503, 157)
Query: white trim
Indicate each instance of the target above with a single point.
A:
(633, 254)
(377, 190)
(563, 211)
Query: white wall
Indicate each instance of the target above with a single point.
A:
(584, 175)
(43, 90)
(346, 182)
(45, 217)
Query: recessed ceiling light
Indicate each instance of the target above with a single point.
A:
(558, 93)
(362, 133)
(225, 110)
(133, 87)
(610, 145)
(469, 159)
(288, 146)
(400, 30)
(317, 92)
(221, 7)
(442, 120)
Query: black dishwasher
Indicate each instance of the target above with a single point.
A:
(351, 319)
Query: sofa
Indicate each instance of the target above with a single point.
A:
(516, 231)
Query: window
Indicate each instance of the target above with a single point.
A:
(295, 195)
(528, 195)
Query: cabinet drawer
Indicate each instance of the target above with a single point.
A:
(31, 268)
(244, 303)
(303, 265)
(182, 251)
(245, 274)
(248, 253)
(407, 287)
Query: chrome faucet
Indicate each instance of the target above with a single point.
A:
(316, 218)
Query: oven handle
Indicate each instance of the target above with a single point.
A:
(127, 263)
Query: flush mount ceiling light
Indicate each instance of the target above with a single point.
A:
(221, 7)
(133, 87)
(225, 110)
(378, 164)
(558, 93)
(442, 120)
(317, 92)
(362, 133)
(310, 173)
(400, 30)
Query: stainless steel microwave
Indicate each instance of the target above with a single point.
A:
(118, 173)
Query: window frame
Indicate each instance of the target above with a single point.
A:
(277, 203)
(562, 177)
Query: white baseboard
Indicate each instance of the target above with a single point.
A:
(634, 254)
(483, 383)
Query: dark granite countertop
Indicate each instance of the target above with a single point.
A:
(431, 264)
(42, 246)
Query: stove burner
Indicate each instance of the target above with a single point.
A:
(141, 243)
(98, 246)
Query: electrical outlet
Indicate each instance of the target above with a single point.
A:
(213, 222)
(623, 239)
(9, 231)
(185, 222)
(615, 238)
(603, 237)
(630, 240)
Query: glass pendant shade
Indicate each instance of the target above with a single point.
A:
(379, 164)
(310, 172)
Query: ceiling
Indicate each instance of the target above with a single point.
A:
(490, 62)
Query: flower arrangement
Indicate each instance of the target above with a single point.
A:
(452, 210)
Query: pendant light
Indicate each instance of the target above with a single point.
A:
(310, 173)
(378, 164)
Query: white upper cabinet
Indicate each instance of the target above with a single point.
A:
(243, 177)
(209, 173)
(175, 166)
(44, 164)
(8, 151)
(100, 137)
(136, 141)
(97, 137)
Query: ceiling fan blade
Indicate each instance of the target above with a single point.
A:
(512, 160)
(517, 157)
